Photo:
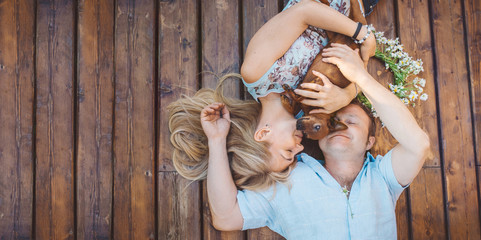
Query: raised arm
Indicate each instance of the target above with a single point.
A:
(221, 190)
(275, 37)
(409, 155)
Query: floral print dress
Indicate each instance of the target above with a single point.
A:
(293, 65)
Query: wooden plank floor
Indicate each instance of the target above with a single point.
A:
(84, 142)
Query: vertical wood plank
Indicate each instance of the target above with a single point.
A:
(16, 118)
(179, 207)
(55, 111)
(179, 200)
(426, 191)
(402, 217)
(455, 118)
(178, 63)
(96, 97)
(472, 12)
(134, 135)
(220, 43)
(254, 14)
(427, 205)
(220, 55)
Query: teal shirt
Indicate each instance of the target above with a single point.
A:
(316, 207)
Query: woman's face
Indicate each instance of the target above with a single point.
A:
(285, 143)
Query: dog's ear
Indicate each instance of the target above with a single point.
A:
(262, 133)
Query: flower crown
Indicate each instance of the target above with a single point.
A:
(403, 66)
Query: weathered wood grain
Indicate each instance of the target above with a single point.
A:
(254, 15)
(220, 55)
(95, 118)
(178, 64)
(455, 118)
(54, 120)
(16, 118)
(179, 207)
(472, 13)
(134, 135)
(220, 43)
(402, 216)
(427, 203)
(179, 202)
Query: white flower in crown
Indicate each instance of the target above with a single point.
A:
(422, 82)
(405, 101)
(423, 97)
(413, 96)
(391, 86)
(420, 89)
(379, 34)
(415, 80)
(396, 89)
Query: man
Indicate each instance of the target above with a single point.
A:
(350, 197)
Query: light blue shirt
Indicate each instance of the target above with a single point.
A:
(317, 208)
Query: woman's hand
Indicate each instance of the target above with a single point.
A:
(368, 49)
(346, 59)
(215, 120)
(328, 98)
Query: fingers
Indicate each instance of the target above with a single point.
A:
(311, 102)
(323, 77)
(225, 112)
(334, 52)
(343, 46)
(332, 60)
(313, 86)
(213, 111)
(307, 93)
(319, 110)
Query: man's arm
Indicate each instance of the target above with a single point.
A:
(221, 190)
(409, 155)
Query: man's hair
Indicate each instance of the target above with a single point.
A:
(372, 125)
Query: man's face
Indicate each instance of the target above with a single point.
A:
(354, 138)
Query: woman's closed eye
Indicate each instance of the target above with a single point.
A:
(350, 121)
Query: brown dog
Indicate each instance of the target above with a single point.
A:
(317, 126)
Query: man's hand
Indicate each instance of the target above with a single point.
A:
(346, 59)
(328, 98)
(215, 120)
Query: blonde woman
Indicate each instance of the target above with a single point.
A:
(263, 140)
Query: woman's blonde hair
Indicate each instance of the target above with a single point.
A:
(248, 158)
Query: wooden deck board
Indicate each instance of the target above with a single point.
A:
(455, 117)
(95, 119)
(84, 141)
(16, 118)
(54, 205)
(134, 148)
